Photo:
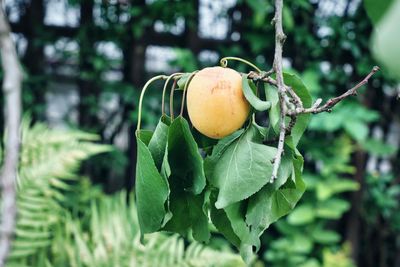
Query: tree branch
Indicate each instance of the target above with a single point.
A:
(316, 108)
(12, 93)
(279, 40)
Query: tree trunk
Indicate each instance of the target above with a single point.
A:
(12, 81)
(88, 91)
(34, 58)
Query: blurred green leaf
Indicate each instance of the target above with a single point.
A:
(327, 188)
(378, 148)
(377, 9)
(385, 41)
(356, 129)
(303, 214)
(325, 236)
(332, 208)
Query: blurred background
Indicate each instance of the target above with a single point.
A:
(85, 62)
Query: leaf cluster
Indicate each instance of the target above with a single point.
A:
(184, 180)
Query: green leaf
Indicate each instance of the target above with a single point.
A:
(328, 122)
(151, 190)
(311, 77)
(184, 158)
(325, 236)
(166, 173)
(378, 148)
(182, 81)
(301, 215)
(285, 169)
(236, 214)
(356, 129)
(158, 141)
(184, 168)
(221, 221)
(346, 112)
(272, 95)
(385, 41)
(217, 152)
(332, 208)
(248, 90)
(145, 136)
(204, 142)
(269, 204)
(243, 168)
(301, 90)
(377, 9)
(288, 20)
(187, 212)
(325, 189)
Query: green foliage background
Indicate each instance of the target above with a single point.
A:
(349, 215)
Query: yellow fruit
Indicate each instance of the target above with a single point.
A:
(215, 102)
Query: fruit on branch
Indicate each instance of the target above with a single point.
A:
(215, 102)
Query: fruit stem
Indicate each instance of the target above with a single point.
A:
(224, 62)
(171, 100)
(174, 75)
(184, 91)
(163, 77)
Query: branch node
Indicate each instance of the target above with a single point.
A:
(281, 37)
(375, 69)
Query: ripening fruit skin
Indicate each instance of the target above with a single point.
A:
(215, 102)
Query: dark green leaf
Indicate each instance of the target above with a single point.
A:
(187, 212)
(184, 158)
(158, 141)
(183, 166)
(236, 214)
(301, 90)
(249, 90)
(376, 9)
(221, 221)
(204, 142)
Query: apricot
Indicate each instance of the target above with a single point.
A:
(215, 102)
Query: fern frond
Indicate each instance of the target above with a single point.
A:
(113, 239)
(48, 162)
(103, 232)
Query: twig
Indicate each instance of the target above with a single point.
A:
(296, 99)
(316, 108)
(12, 92)
(262, 77)
(279, 40)
(292, 123)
